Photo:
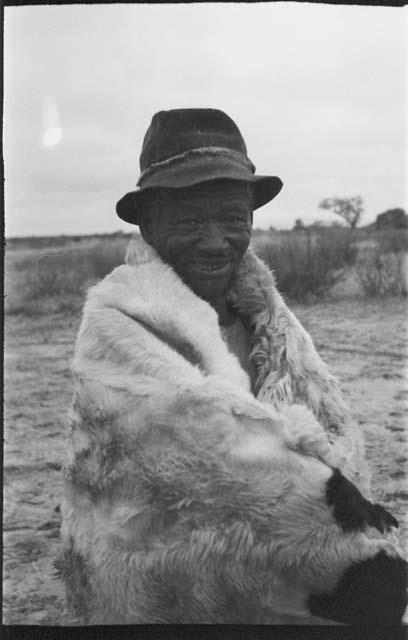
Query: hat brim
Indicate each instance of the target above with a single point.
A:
(198, 170)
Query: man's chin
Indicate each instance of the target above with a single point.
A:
(210, 288)
(209, 284)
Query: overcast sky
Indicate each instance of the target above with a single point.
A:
(319, 93)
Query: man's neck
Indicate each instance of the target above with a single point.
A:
(226, 315)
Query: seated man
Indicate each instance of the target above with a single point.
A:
(210, 446)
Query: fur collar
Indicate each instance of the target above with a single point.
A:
(288, 370)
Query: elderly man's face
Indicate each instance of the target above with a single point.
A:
(202, 232)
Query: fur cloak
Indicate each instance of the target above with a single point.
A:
(193, 494)
(288, 370)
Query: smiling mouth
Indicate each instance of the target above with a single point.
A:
(211, 267)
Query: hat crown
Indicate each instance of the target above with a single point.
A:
(176, 131)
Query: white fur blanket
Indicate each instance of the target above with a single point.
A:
(187, 499)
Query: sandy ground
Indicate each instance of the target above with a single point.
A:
(363, 342)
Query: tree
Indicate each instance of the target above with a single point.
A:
(299, 225)
(350, 209)
(392, 219)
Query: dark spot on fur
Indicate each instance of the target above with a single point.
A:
(351, 510)
(71, 568)
(370, 592)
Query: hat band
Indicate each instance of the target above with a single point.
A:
(193, 153)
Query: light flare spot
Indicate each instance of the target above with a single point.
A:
(52, 137)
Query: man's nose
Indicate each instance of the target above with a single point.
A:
(212, 239)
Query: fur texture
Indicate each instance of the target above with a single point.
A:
(187, 498)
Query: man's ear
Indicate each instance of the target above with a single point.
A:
(146, 225)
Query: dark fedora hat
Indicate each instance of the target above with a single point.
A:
(183, 147)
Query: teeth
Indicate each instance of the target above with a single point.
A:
(212, 267)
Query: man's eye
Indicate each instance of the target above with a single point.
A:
(236, 219)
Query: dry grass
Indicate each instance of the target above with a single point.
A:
(49, 280)
(383, 274)
(307, 264)
(43, 280)
(383, 267)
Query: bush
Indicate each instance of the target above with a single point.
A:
(383, 273)
(308, 264)
(57, 281)
(392, 240)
